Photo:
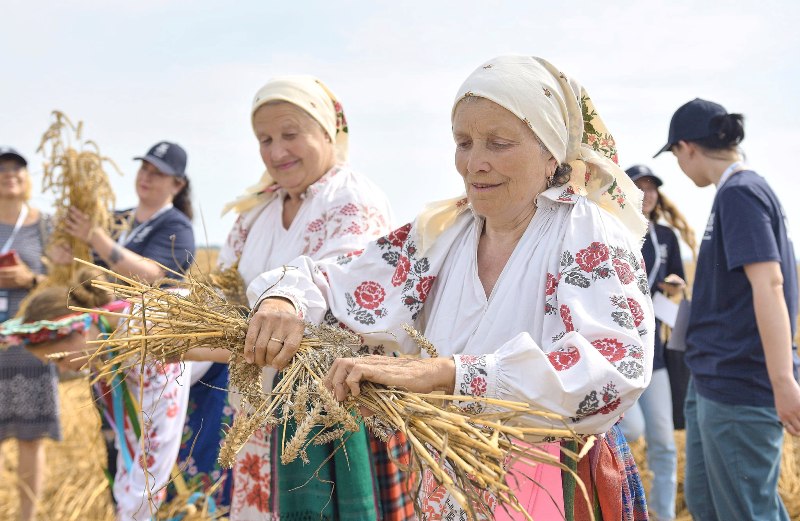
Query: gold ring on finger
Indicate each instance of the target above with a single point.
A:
(278, 340)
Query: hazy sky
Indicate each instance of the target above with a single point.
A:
(186, 71)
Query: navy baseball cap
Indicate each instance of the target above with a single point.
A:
(692, 121)
(169, 158)
(10, 153)
(640, 171)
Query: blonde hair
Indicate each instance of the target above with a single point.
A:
(670, 213)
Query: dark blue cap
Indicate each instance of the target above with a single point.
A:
(693, 121)
(10, 153)
(169, 158)
(640, 171)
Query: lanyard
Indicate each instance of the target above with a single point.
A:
(127, 235)
(651, 277)
(737, 166)
(23, 214)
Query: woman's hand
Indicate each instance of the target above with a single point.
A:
(672, 285)
(273, 334)
(787, 404)
(60, 254)
(79, 225)
(17, 276)
(419, 375)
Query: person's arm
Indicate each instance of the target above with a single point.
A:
(595, 357)
(164, 406)
(774, 328)
(118, 258)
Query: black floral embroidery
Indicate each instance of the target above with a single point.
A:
(474, 380)
(604, 401)
(410, 271)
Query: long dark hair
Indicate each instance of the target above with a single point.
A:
(183, 200)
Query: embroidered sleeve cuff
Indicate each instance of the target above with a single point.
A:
(299, 308)
(475, 376)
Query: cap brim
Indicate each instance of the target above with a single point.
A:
(15, 156)
(158, 163)
(665, 148)
(655, 178)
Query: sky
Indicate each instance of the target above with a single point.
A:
(139, 72)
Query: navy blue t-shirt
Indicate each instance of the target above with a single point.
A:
(670, 253)
(724, 351)
(168, 239)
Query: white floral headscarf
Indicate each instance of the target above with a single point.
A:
(559, 111)
(315, 98)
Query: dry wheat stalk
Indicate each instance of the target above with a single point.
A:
(75, 173)
(445, 439)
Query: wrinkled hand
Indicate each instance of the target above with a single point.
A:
(273, 334)
(78, 225)
(672, 285)
(60, 254)
(787, 403)
(17, 276)
(419, 375)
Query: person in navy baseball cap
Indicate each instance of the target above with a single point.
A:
(637, 172)
(740, 328)
(695, 120)
(169, 158)
(7, 152)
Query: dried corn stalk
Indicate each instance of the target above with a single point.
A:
(468, 453)
(75, 173)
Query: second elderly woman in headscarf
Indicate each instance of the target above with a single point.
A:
(308, 202)
(531, 286)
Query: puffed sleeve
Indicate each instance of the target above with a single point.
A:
(165, 398)
(373, 290)
(597, 344)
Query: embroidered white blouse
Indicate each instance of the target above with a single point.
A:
(568, 327)
(340, 213)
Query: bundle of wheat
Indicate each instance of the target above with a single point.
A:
(466, 451)
(75, 173)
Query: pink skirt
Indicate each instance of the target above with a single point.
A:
(541, 496)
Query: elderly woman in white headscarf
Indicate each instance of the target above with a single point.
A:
(308, 202)
(531, 287)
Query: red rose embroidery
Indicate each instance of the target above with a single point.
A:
(564, 358)
(624, 271)
(399, 236)
(478, 386)
(401, 272)
(424, 287)
(369, 295)
(315, 225)
(552, 284)
(611, 349)
(590, 258)
(172, 410)
(566, 317)
(636, 311)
